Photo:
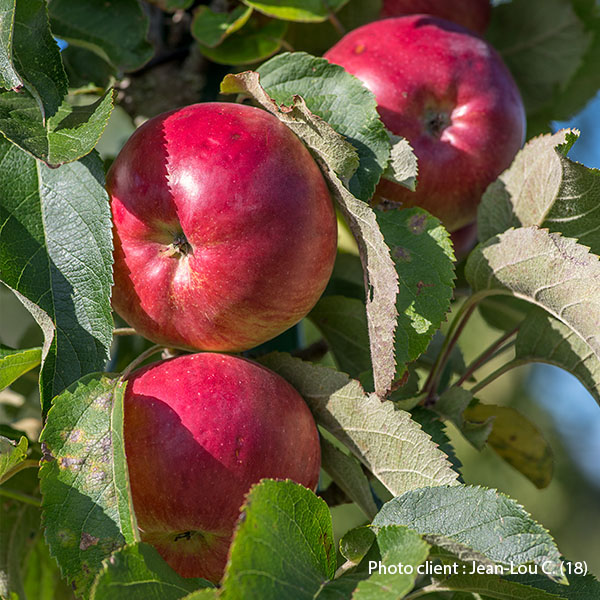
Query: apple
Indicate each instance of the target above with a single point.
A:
(449, 93)
(472, 14)
(224, 229)
(464, 239)
(199, 430)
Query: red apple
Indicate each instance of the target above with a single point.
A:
(225, 232)
(199, 430)
(449, 93)
(472, 14)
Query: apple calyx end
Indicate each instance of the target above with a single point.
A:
(179, 247)
(435, 121)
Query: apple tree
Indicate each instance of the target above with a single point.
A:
(376, 357)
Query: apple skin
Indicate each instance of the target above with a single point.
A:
(199, 430)
(448, 92)
(472, 14)
(224, 230)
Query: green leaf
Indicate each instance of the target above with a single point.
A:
(11, 455)
(41, 575)
(85, 68)
(19, 527)
(137, 572)
(205, 594)
(56, 255)
(381, 284)
(581, 587)
(251, 44)
(347, 278)
(342, 101)
(71, 133)
(574, 94)
(497, 528)
(113, 29)
(403, 166)
(311, 129)
(517, 440)
(422, 252)
(385, 439)
(9, 78)
(433, 427)
(356, 543)
(317, 38)
(543, 43)
(347, 473)
(306, 11)
(283, 542)
(14, 363)
(210, 28)
(37, 58)
(490, 586)
(343, 323)
(86, 504)
(452, 405)
(397, 545)
(543, 338)
(547, 270)
(543, 187)
(504, 312)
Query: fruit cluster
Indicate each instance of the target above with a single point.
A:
(225, 236)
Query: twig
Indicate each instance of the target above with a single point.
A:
(517, 362)
(26, 498)
(488, 354)
(336, 23)
(456, 327)
(26, 464)
(428, 589)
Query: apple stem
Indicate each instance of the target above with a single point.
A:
(139, 360)
(336, 23)
(124, 331)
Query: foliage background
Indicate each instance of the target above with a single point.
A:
(569, 507)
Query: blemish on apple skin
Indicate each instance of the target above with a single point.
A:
(416, 224)
(402, 254)
(238, 446)
(359, 48)
(235, 136)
